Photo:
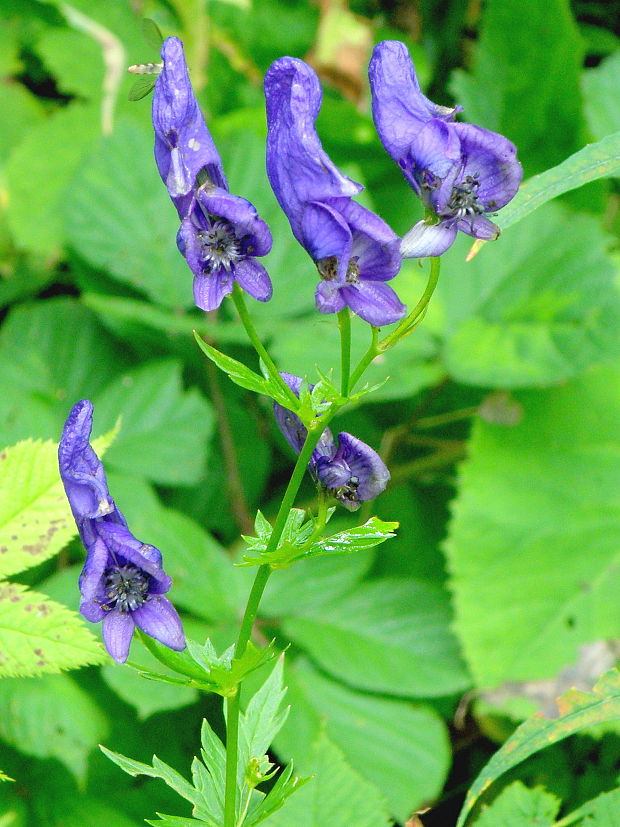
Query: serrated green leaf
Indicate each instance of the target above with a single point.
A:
(389, 636)
(38, 181)
(35, 517)
(165, 428)
(600, 812)
(157, 770)
(223, 673)
(539, 306)
(336, 795)
(576, 711)
(128, 231)
(296, 542)
(281, 791)
(599, 160)
(51, 716)
(533, 557)
(600, 99)
(519, 56)
(519, 806)
(400, 747)
(53, 352)
(41, 636)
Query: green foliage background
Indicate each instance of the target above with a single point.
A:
(500, 421)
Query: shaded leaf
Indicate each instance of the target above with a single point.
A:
(389, 636)
(576, 711)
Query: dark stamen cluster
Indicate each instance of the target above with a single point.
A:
(464, 199)
(220, 245)
(125, 587)
(348, 491)
(353, 271)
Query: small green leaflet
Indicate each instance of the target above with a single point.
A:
(241, 374)
(4, 777)
(257, 728)
(299, 543)
(577, 710)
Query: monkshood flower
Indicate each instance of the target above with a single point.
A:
(355, 251)
(460, 171)
(347, 468)
(221, 234)
(122, 582)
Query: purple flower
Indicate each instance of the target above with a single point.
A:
(122, 582)
(460, 171)
(354, 250)
(220, 234)
(350, 470)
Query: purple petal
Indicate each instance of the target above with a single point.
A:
(365, 464)
(492, 160)
(159, 619)
(427, 239)
(398, 105)
(375, 244)
(374, 302)
(183, 144)
(254, 279)
(325, 233)
(124, 548)
(298, 168)
(479, 226)
(80, 468)
(329, 298)
(117, 629)
(210, 290)
(435, 161)
(97, 560)
(332, 473)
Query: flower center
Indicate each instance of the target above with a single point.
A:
(464, 200)
(328, 269)
(126, 587)
(220, 245)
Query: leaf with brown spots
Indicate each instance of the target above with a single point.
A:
(38, 635)
(35, 518)
(576, 711)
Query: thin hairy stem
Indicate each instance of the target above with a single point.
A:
(366, 359)
(259, 347)
(413, 319)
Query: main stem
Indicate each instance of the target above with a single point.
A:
(259, 347)
(251, 610)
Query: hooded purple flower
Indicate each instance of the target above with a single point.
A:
(354, 250)
(460, 171)
(220, 234)
(351, 471)
(122, 582)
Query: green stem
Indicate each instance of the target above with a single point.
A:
(251, 610)
(373, 350)
(417, 314)
(259, 347)
(344, 323)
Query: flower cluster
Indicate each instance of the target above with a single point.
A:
(350, 470)
(354, 250)
(460, 171)
(122, 582)
(221, 234)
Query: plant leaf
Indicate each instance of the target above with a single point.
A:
(576, 711)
